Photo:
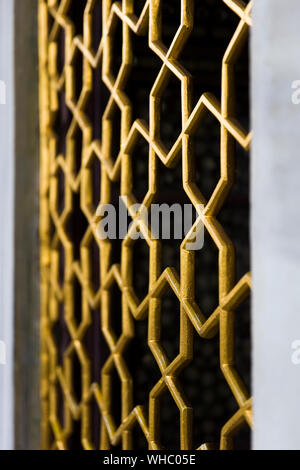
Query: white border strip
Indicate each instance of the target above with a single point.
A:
(275, 52)
(7, 223)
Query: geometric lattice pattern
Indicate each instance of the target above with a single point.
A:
(81, 274)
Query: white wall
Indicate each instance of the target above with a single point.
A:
(6, 221)
(275, 53)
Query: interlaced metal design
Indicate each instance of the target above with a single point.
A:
(77, 301)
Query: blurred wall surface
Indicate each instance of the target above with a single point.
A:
(276, 223)
(6, 222)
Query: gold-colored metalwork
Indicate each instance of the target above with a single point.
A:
(54, 294)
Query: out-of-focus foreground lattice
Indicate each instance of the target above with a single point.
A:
(113, 74)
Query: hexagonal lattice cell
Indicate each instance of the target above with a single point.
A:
(139, 439)
(171, 13)
(95, 345)
(243, 437)
(74, 440)
(242, 88)
(61, 263)
(74, 148)
(76, 225)
(169, 416)
(140, 268)
(50, 22)
(208, 392)
(145, 68)
(207, 155)
(94, 252)
(207, 276)
(75, 13)
(60, 334)
(115, 254)
(171, 112)
(77, 301)
(95, 422)
(115, 309)
(60, 179)
(60, 405)
(116, 396)
(116, 55)
(242, 337)
(95, 169)
(214, 25)
(76, 376)
(141, 364)
(170, 324)
(96, 104)
(234, 216)
(60, 51)
(96, 12)
(140, 169)
(114, 123)
(77, 71)
(62, 123)
(171, 192)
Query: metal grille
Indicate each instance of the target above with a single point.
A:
(144, 99)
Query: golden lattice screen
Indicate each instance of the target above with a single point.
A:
(144, 344)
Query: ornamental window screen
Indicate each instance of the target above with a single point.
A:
(144, 344)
